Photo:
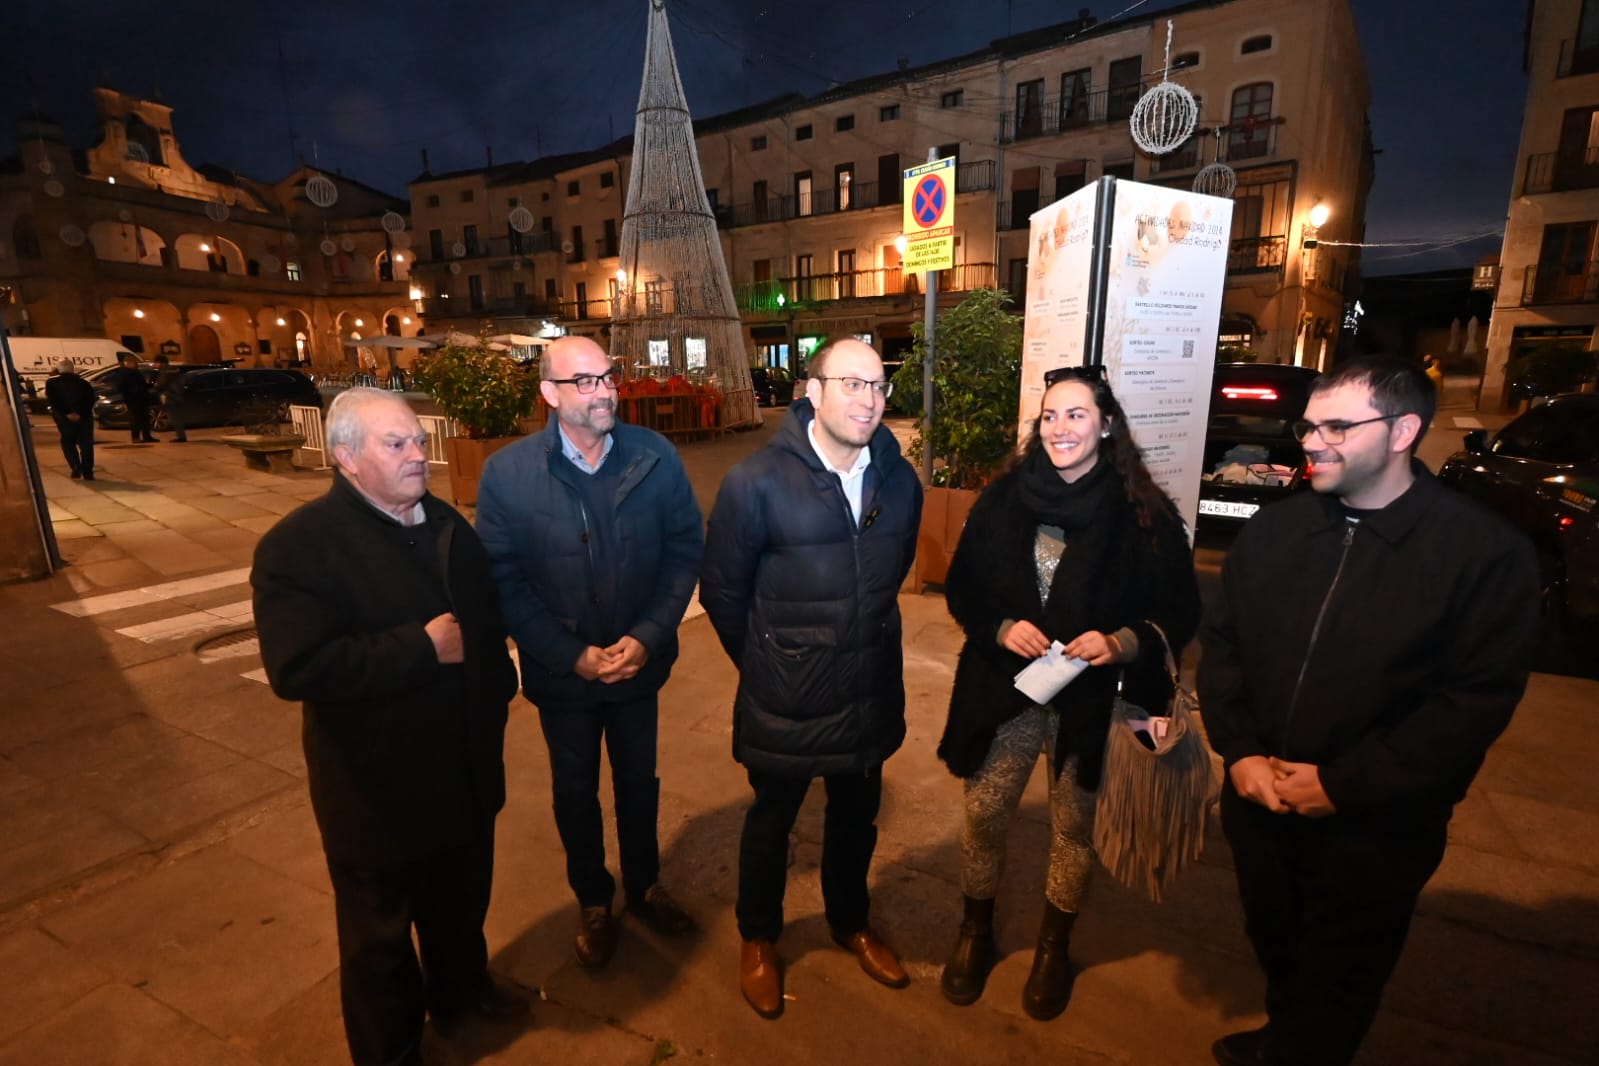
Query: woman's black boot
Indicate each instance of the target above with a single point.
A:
(966, 972)
(1049, 986)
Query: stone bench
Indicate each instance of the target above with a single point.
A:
(272, 452)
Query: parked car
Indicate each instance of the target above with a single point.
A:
(1542, 473)
(221, 396)
(1251, 455)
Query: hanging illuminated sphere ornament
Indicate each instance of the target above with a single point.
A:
(216, 211)
(1218, 179)
(271, 264)
(321, 191)
(328, 247)
(455, 268)
(392, 221)
(55, 188)
(458, 249)
(72, 236)
(46, 167)
(1164, 118)
(347, 243)
(521, 219)
(1166, 115)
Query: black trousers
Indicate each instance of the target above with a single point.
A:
(139, 420)
(849, 836)
(384, 988)
(1327, 905)
(175, 419)
(77, 443)
(574, 734)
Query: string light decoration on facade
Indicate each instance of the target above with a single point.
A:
(674, 311)
(1217, 179)
(1165, 116)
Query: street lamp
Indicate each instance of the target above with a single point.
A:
(1314, 220)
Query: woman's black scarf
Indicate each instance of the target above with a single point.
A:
(1052, 500)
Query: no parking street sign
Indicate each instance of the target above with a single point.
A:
(929, 223)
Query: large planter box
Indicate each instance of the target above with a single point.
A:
(467, 457)
(944, 514)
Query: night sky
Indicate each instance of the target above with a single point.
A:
(364, 87)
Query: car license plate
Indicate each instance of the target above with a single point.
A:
(1227, 508)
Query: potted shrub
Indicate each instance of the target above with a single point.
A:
(490, 398)
(977, 383)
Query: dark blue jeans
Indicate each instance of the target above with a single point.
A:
(574, 733)
(849, 836)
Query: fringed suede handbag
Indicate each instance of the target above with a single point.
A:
(1154, 795)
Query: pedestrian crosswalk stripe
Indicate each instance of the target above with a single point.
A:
(116, 601)
(191, 624)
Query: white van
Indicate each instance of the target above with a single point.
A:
(36, 358)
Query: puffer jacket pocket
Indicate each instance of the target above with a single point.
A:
(793, 670)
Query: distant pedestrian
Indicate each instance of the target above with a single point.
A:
(134, 388)
(377, 610)
(1370, 641)
(169, 390)
(596, 540)
(1075, 543)
(1435, 372)
(71, 402)
(808, 544)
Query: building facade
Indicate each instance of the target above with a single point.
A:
(128, 240)
(807, 190)
(1548, 286)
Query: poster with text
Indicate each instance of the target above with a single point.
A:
(1164, 281)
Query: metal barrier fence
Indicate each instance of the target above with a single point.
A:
(437, 428)
(308, 424)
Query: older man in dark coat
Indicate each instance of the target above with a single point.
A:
(376, 608)
(71, 402)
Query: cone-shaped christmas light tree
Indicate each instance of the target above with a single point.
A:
(675, 312)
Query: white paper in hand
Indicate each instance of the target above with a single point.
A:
(1046, 675)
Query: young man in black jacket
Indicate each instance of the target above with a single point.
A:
(1370, 642)
(808, 544)
(134, 388)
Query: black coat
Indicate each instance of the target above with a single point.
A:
(805, 602)
(403, 753)
(131, 384)
(69, 394)
(1130, 576)
(1390, 655)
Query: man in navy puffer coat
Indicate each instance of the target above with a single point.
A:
(808, 544)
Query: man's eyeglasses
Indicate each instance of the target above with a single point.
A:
(1334, 430)
(856, 386)
(1086, 374)
(587, 383)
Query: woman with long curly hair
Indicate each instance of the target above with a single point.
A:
(1073, 543)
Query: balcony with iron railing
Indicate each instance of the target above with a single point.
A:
(495, 247)
(1561, 171)
(1256, 255)
(787, 294)
(1055, 114)
(1561, 283)
(971, 177)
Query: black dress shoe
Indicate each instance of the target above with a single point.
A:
(596, 937)
(658, 910)
(495, 1003)
(76, 474)
(1247, 1048)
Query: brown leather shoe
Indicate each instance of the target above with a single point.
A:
(760, 977)
(657, 909)
(877, 958)
(596, 937)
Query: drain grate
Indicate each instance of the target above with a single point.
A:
(234, 644)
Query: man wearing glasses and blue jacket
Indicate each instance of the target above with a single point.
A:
(595, 539)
